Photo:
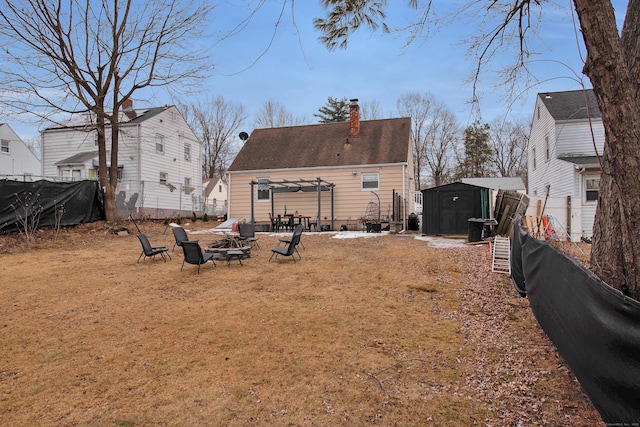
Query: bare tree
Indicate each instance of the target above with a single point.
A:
(613, 67)
(215, 122)
(273, 115)
(370, 110)
(91, 56)
(508, 142)
(434, 134)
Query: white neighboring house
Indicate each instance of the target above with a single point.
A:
(17, 161)
(215, 195)
(159, 160)
(563, 156)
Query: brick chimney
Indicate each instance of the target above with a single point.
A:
(354, 117)
(127, 108)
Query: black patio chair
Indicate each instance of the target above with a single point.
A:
(180, 235)
(193, 254)
(287, 240)
(248, 234)
(290, 249)
(151, 251)
(275, 223)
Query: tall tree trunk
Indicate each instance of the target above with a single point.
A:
(611, 65)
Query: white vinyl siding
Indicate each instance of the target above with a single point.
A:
(575, 138)
(552, 141)
(141, 164)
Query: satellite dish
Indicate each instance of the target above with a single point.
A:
(244, 136)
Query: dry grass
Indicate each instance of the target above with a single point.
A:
(383, 330)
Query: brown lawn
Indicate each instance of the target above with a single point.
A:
(384, 330)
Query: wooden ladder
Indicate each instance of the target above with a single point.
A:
(501, 255)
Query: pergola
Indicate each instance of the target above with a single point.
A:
(317, 185)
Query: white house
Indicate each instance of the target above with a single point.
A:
(567, 136)
(17, 161)
(215, 196)
(159, 160)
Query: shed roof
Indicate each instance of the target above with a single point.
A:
(514, 183)
(385, 141)
(571, 105)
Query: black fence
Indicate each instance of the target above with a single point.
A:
(48, 204)
(595, 328)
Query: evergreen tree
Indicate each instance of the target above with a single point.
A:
(477, 152)
(336, 110)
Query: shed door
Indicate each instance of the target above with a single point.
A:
(456, 209)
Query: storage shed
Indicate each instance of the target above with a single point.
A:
(447, 208)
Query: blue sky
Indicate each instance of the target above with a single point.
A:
(299, 72)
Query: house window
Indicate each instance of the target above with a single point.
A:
(164, 178)
(370, 181)
(159, 143)
(95, 139)
(591, 186)
(187, 152)
(533, 157)
(4, 146)
(264, 194)
(187, 185)
(71, 174)
(547, 150)
(219, 188)
(538, 112)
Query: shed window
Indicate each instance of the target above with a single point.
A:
(263, 190)
(370, 181)
(591, 189)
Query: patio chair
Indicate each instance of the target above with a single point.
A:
(180, 235)
(248, 234)
(151, 251)
(275, 223)
(287, 240)
(291, 248)
(193, 254)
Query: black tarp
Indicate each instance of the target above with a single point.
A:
(81, 200)
(595, 328)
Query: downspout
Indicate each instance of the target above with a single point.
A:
(404, 198)
(140, 183)
(228, 195)
(253, 221)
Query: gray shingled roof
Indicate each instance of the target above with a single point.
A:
(571, 105)
(326, 145)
